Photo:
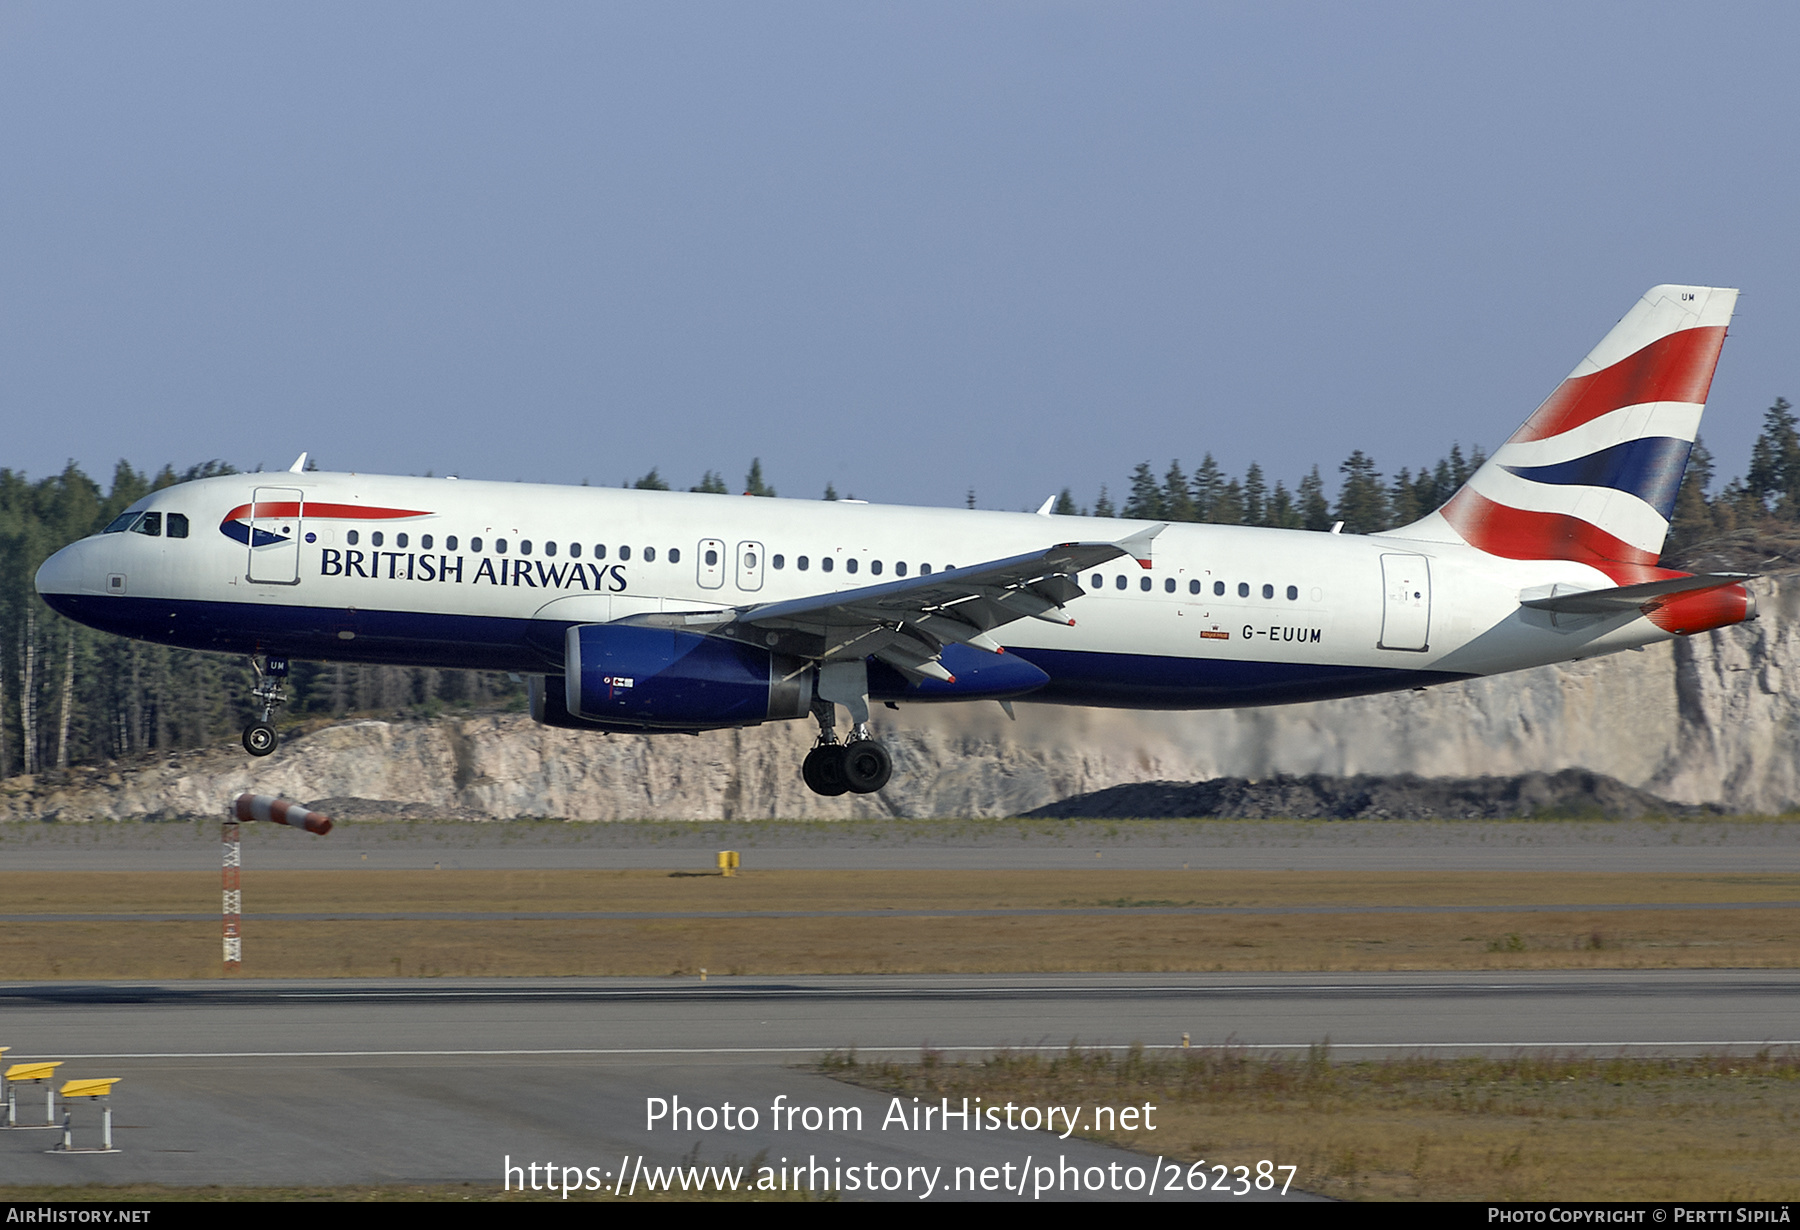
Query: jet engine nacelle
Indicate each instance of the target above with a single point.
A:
(620, 675)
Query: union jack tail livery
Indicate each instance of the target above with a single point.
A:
(1592, 475)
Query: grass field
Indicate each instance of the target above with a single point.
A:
(1717, 1128)
(1125, 935)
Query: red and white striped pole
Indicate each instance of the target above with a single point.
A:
(255, 807)
(234, 897)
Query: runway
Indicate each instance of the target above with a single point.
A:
(337, 1082)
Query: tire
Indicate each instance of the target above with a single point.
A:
(260, 739)
(867, 766)
(823, 770)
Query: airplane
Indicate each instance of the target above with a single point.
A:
(656, 611)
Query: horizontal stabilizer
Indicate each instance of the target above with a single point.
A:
(1625, 597)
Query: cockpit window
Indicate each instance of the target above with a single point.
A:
(120, 523)
(149, 525)
(178, 525)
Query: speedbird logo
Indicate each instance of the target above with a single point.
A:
(277, 520)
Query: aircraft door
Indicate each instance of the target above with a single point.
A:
(1405, 603)
(749, 566)
(275, 518)
(711, 557)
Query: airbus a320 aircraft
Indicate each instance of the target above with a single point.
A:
(650, 611)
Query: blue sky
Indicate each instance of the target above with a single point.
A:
(909, 249)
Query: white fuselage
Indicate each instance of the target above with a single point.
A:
(440, 572)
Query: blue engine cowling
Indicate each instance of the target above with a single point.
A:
(665, 679)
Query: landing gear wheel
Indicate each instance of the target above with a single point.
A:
(259, 738)
(823, 769)
(867, 766)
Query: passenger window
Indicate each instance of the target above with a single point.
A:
(376, 538)
(1268, 591)
(352, 539)
(900, 568)
(801, 563)
(599, 550)
(1121, 580)
(875, 567)
(825, 564)
(178, 525)
(674, 555)
(400, 541)
(1193, 587)
(779, 561)
(1243, 589)
(499, 546)
(1099, 582)
(1218, 588)
(424, 542)
(450, 543)
(712, 558)
(924, 570)
(650, 556)
(625, 553)
(1169, 585)
(524, 546)
(150, 526)
(574, 550)
(549, 548)
(474, 544)
(850, 564)
(1293, 593)
(1144, 584)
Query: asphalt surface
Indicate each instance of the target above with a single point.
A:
(1351, 845)
(339, 1082)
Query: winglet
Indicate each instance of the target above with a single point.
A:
(1044, 509)
(299, 466)
(1138, 545)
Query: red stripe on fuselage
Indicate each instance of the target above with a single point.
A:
(1678, 367)
(291, 508)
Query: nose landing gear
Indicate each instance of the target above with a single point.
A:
(259, 737)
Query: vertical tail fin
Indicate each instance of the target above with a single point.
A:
(1592, 475)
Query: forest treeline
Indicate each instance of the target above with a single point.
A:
(70, 695)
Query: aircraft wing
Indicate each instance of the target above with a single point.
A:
(907, 623)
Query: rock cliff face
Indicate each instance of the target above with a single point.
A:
(1705, 720)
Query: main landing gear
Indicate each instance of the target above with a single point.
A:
(259, 737)
(861, 766)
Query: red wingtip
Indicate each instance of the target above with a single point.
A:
(1143, 563)
(953, 679)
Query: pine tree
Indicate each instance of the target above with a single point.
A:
(1362, 503)
(1065, 505)
(1103, 506)
(712, 483)
(1283, 513)
(1774, 475)
(1177, 503)
(1146, 501)
(1209, 488)
(1315, 513)
(1693, 519)
(650, 482)
(753, 481)
(1229, 509)
(1256, 496)
(830, 491)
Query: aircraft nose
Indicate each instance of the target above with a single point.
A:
(61, 573)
